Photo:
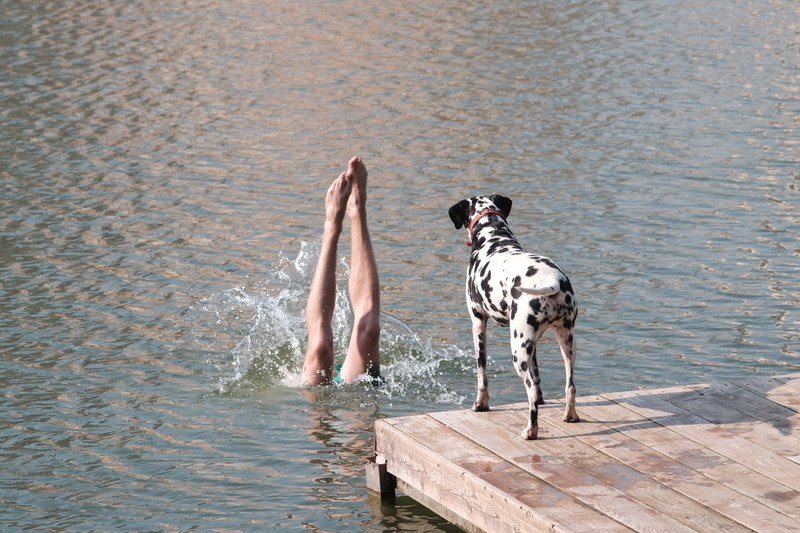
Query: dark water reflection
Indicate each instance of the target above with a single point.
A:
(162, 170)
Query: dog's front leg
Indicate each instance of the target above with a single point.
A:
(479, 338)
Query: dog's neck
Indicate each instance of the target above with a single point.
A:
(476, 218)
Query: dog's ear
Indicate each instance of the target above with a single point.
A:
(503, 203)
(459, 213)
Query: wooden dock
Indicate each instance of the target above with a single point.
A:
(714, 457)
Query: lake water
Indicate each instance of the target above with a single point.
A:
(162, 172)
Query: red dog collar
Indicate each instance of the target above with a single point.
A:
(476, 218)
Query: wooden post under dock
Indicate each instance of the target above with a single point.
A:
(714, 457)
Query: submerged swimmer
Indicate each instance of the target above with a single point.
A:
(346, 195)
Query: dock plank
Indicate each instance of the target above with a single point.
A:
(459, 495)
(718, 438)
(783, 390)
(740, 410)
(658, 486)
(575, 468)
(707, 477)
(540, 499)
(713, 457)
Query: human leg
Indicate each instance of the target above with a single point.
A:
(362, 353)
(318, 366)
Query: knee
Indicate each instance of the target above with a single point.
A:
(320, 346)
(318, 366)
(368, 326)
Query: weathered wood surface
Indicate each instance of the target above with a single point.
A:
(718, 457)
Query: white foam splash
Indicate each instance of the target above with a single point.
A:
(271, 349)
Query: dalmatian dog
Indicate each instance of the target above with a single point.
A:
(527, 293)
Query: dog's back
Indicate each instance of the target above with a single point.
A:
(502, 273)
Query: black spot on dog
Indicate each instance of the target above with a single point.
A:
(523, 366)
(486, 286)
(474, 294)
(495, 247)
(536, 306)
(532, 270)
(565, 285)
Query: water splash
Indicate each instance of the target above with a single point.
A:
(269, 320)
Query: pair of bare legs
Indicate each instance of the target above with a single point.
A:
(346, 195)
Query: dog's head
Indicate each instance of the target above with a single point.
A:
(462, 212)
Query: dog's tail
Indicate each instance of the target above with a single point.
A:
(541, 287)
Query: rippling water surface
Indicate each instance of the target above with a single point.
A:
(162, 171)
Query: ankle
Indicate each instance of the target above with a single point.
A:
(333, 228)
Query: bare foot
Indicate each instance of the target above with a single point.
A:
(336, 199)
(357, 170)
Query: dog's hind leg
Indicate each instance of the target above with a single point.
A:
(524, 346)
(479, 338)
(566, 341)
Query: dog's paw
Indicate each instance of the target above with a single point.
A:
(530, 433)
(480, 407)
(570, 414)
